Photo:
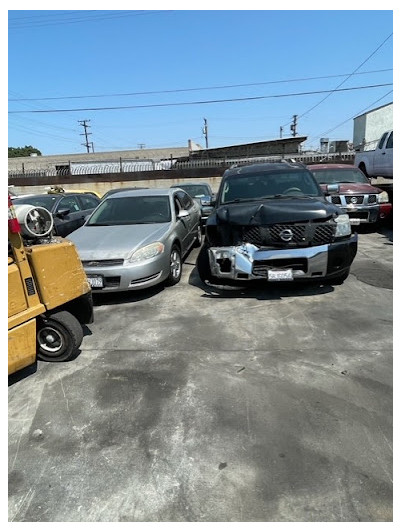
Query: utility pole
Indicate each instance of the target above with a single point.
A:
(205, 131)
(293, 125)
(85, 126)
(280, 132)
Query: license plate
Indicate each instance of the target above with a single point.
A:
(280, 275)
(355, 221)
(95, 281)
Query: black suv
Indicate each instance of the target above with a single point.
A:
(69, 210)
(272, 222)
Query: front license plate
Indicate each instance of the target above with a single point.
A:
(95, 281)
(355, 221)
(280, 275)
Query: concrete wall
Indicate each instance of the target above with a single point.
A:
(101, 187)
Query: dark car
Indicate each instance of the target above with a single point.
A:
(122, 189)
(363, 202)
(69, 210)
(202, 193)
(271, 223)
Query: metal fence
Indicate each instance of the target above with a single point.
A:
(121, 166)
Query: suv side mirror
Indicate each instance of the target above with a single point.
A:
(332, 189)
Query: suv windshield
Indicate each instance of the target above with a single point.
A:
(339, 175)
(270, 184)
(132, 210)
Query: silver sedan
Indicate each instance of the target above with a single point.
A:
(138, 238)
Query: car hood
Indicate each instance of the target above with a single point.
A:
(116, 241)
(274, 211)
(354, 188)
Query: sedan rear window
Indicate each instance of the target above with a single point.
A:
(132, 210)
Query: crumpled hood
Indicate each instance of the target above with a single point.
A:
(117, 241)
(354, 188)
(274, 211)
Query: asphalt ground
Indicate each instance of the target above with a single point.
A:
(190, 404)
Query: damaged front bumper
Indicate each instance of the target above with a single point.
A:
(247, 262)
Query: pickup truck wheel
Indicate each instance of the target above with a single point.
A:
(59, 335)
(203, 268)
(175, 272)
(339, 279)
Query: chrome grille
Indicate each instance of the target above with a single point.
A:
(297, 230)
(304, 234)
(360, 199)
(101, 263)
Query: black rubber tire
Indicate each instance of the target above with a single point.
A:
(62, 330)
(199, 236)
(175, 261)
(339, 279)
(204, 270)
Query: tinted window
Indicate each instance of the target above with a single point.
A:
(88, 201)
(132, 210)
(46, 201)
(185, 199)
(69, 202)
(339, 175)
(196, 190)
(390, 141)
(263, 185)
(380, 145)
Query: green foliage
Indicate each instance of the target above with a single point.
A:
(22, 152)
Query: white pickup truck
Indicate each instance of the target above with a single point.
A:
(377, 162)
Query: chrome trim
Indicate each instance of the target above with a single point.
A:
(242, 258)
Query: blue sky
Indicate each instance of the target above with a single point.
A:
(74, 61)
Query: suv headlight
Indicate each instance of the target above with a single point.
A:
(147, 252)
(343, 227)
(383, 197)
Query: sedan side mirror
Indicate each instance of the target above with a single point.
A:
(62, 212)
(182, 214)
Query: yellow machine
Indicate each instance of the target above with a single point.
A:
(49, 297)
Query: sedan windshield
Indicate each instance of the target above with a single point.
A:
(339, 175)
(45, 201)
(247, 187)
(132, 210)
(195, 190)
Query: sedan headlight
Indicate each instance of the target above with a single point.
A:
(383, 197)
(343, 227)
(147, 252)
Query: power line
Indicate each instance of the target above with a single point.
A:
(352, 117)
(250, 98)
(196, 88)
(344, 81)
(38, 24)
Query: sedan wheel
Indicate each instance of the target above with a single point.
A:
(175, 272)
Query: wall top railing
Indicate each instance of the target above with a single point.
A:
(124, 166)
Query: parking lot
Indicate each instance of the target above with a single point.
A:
(269, 403)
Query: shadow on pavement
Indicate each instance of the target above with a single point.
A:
(259, 290)
(113, 298)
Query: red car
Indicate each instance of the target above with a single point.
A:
(363, 202)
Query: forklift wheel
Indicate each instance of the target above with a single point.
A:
(59, 336)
